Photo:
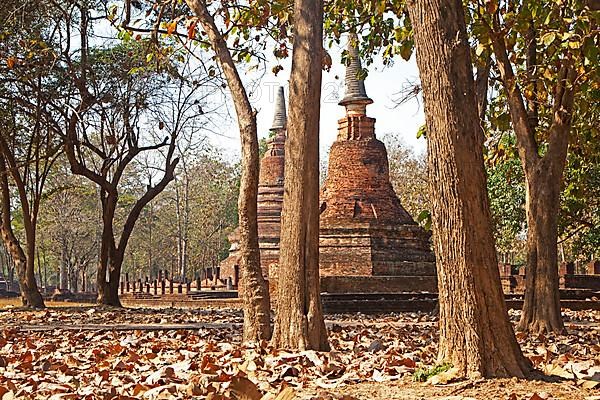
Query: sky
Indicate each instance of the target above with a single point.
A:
(383, 85)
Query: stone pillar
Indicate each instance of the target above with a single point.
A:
(593, 268)
(170, 287)
(155, 286)
(198, 284)
(229, 283)
(162, 287)
(140, 288)
(505, 269)
(188, 287)
(236, 275)
(179, 288)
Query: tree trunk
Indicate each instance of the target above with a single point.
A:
(476, 336)
(30, 295)
(541, 307)
(108, 279)
(543, 175)
(253, 287)
(109, 264)
(64, 266)
(299, 320)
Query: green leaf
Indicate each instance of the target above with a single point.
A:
(548, 38)
(480, 49)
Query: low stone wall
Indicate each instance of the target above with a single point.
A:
(571, 276)
(378, 284)
(177, 301)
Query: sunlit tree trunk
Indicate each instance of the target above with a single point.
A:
(476, 336)
(253, 287)
(543, 178)
(299, 320)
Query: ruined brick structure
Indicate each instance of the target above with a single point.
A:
(368, 242)
(365, 231)
(270, 199)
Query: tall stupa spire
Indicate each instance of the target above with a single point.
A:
(280, 116)
(355, 99)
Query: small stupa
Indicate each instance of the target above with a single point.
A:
(270, 198)
(364, 230)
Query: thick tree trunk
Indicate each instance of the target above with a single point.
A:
(299, 320)
(253, 287)
(476, 335)
(30, 295)
(541, 307)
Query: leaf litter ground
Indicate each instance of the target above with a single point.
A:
(94, 353)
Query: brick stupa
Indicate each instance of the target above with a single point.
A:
(366, 236)
(270, 199)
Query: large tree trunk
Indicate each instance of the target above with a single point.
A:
(30, 295)
(253, 287)
(299, 320)
(476, 335)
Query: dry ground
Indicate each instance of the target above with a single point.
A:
(76, 353)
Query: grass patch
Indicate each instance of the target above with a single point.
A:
(423, 374)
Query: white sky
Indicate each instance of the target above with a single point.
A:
(382, 84)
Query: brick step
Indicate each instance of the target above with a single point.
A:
(145, 296)
(213, 294)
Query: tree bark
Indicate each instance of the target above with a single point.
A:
(543, 176)
(30, 294)
(109, 260)
(299, 320)
(476, 336)
(253, 287)
(541, 307)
